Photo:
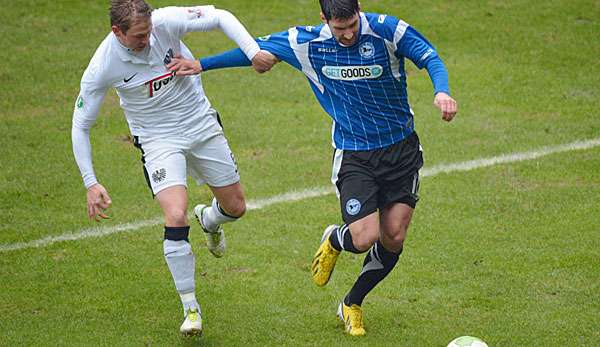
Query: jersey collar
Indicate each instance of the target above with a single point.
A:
(126, 54)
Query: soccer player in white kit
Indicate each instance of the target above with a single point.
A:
(172, 123)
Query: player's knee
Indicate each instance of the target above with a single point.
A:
(397, 236)
(363, 245)
(235, 207)
(397, 240)
(363, 239)
(240, 208)
(176, 217)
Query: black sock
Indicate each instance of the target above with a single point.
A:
(378, 263)
(341, 238)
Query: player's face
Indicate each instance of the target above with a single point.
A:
(345, 31)
(137, 37)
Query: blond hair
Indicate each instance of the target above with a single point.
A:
(124, 12)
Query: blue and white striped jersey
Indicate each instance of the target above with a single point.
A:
(362, 87)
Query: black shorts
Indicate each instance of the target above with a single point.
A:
(371, 180)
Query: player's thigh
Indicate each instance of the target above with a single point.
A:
(398, 173)
(174, 203)
(365, 231)
(211, 161)
(231, 198)
(394, 220)
(164, 162)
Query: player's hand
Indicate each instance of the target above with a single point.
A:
(97, 202)
(263, 61)
(184, 67)
(447, 105)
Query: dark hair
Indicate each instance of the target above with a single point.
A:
(124, 12)
(339, 9)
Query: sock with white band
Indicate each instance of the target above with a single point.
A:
(215, 216)
(182, 264)
(341, 239)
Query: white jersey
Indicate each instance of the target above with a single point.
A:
(155, 101)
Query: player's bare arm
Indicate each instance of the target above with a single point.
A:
(447, 106)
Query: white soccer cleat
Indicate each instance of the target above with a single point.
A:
(192, 325)
(215, 240)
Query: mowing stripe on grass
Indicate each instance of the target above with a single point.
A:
(258, 204)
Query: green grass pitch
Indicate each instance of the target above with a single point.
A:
(509, 253)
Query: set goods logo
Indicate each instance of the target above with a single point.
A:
(353, 207)
(352, 73)
(366, 50)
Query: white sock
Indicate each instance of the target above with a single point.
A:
(188, 300)
(213, 217)
(182, 264)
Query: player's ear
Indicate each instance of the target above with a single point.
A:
(115, 29)
(323, 19)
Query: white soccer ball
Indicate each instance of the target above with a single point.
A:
(467, 341)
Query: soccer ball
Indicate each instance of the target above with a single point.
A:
(467, 341)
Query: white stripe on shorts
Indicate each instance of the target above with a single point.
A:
(337, 164)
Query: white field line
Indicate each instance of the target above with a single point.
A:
(258, 204)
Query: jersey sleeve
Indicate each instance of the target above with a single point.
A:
(179, 20)
(182, 20)
(91, 94)
(409, 43)
(415, 47)
(439, 75)
(277, 44)
(405, 40)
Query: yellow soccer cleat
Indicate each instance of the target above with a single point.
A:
(324, 260)
(215, 240)
(192, 325)
(352, 318)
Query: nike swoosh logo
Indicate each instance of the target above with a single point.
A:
(129, 79)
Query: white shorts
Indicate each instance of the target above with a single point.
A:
(206, 157)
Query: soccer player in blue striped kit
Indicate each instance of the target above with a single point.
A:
(354, 62)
